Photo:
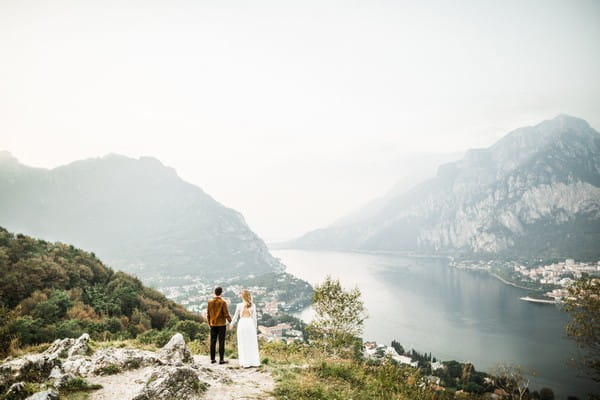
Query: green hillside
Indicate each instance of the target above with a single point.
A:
(54, 290)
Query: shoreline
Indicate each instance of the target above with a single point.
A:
(414, 255)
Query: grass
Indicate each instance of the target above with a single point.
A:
(75, 396)
(303, 372)
(338, 380)
(280, 353)
(16, 350)
(78, 389)
(79, 385)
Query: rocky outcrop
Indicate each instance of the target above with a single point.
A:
(67, 348)
(40, 367)
(172, 371)
(45, 395)
(175, 351)
(170, 382)
(16, 391)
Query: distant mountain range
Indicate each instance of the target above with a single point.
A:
(136, 214)
(534, 193)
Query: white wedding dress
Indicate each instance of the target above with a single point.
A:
(247, 340)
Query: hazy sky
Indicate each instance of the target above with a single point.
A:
(293, 113)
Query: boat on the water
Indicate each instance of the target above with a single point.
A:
(543, 301)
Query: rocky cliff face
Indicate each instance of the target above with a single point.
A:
(535, 192)
(137, 215)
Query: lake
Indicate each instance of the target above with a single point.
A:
(454, 314)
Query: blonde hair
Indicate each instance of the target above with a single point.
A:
(247, 297)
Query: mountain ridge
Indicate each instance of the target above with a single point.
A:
(486, 202)
(137, 214)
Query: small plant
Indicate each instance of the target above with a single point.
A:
(79, 385)
(200, 387)
(110, 369)
(133, 364)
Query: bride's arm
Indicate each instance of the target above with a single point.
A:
(235, 316)
(254, 316)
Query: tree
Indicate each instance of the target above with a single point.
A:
(340, 315)
(546, 394)
(583, 303)
(398, 347)
(512, 379)
(192, 329)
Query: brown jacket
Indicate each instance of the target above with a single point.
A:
(217, 313)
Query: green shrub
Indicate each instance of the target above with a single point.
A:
(79, 385)
(71, 328)
(109, 369)
(192, 330)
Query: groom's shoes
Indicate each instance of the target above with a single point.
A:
(213, 361)
(223, 362)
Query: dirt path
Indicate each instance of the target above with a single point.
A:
(227, 382)
(234, 383)
(120, 386)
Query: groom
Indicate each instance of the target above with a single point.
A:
(217, 315)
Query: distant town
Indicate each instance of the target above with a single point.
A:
(551, 280)
(270, 293)
(439, 375)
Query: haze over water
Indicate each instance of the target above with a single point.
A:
(455, 314)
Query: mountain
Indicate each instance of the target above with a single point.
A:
(534, 193)
(136, 214)
(417, 169)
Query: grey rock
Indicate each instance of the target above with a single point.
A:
(63, 380)
(67, 348)
(55, 373)
(16, 391)
(168, 382)
(123, 359)
(45, 395)
(77, 365)
(29, 368)
(175, 351)
(80, 347)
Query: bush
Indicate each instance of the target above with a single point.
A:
(155, 337)
(79, 385)
(28, 330)
(192, 330)
(71, 328)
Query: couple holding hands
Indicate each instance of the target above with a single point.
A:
(217, 315)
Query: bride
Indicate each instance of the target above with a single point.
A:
(247, 340)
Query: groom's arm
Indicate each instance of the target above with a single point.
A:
(226, 312)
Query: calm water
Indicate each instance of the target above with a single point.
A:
(455, 314)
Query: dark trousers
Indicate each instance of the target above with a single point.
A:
(217, 332)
